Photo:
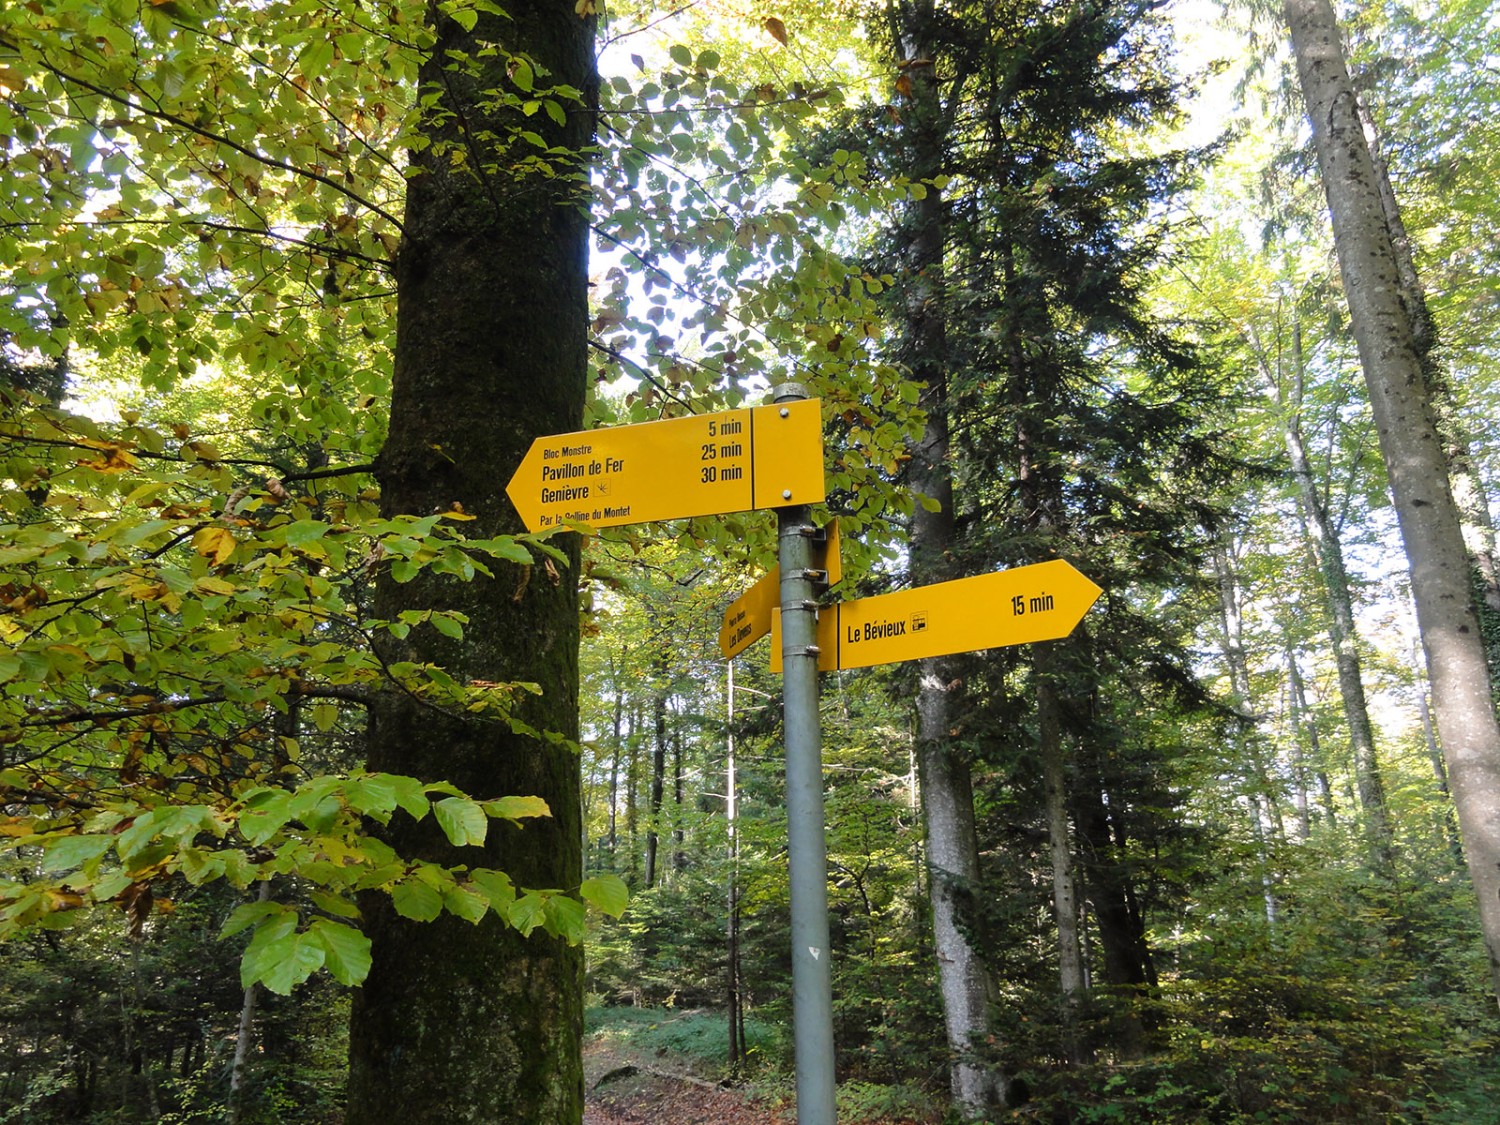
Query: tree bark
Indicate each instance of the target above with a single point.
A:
(1232, 626)
(632, 794)
(1304, 742)
(1328, 553)
(1463, 474)
(617, 746)
(732, 921)
(459, 1022)
(658, 774)
(1127, 960)
(236, 1099)
(1413, 452)
(1440, 775)
(1070, 968)
(679, 831)
(952, 847)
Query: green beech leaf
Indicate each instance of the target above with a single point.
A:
(416, 900)
(448, 626)
(514, 808)
(64, 853)
(496, 887)
(567, 917)
(462, 820)
(288, 962)
(253, 913)
(410, 795)
(468, 905)
(608, 893)
(346, 951)
(333, 904)
(527, 913)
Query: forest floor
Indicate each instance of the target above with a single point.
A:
(630, 1087)
(663, 1066)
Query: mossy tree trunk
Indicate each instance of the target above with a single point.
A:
(458, 1022)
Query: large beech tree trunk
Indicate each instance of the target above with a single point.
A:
(460, 1022)
(1413, 452)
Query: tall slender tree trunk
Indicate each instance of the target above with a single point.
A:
(241, 1059)
(1414, 457)
(617, 750)
(1328, 553)
(658, 776)
(1440, 775)
(1304, 742)
(952, 845)
(1127, 961)
(1065, 904)
(632, 793)
(1263, 788)
(459, 1022)
(679, 783)
(732, 923)
(1231, 623)
(1307, 725)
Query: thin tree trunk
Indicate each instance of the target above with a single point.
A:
(1414, 456)
(1304, 742)
(679, 834)
(1127, 967)
(1328, 553)
(732, 925)
(1435, 757)
(658, 775)
(1064, 880)
(1231, 624)
(246, 1034)
(952, 845)
(632, 793)
(617, 749)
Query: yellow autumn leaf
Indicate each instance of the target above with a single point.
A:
(115, 460)
(145, 591)
(216, 543)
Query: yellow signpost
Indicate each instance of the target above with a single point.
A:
(772, 457)
(749, 618)
(1010, 607)
(707, 464)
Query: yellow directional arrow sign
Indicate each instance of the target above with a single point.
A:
(708, 464)
(749, 618)
(1009, 607)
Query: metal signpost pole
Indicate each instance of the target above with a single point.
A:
(812, 981)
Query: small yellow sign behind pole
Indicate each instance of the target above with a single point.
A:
(749, 618)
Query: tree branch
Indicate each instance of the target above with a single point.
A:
(207, 134)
